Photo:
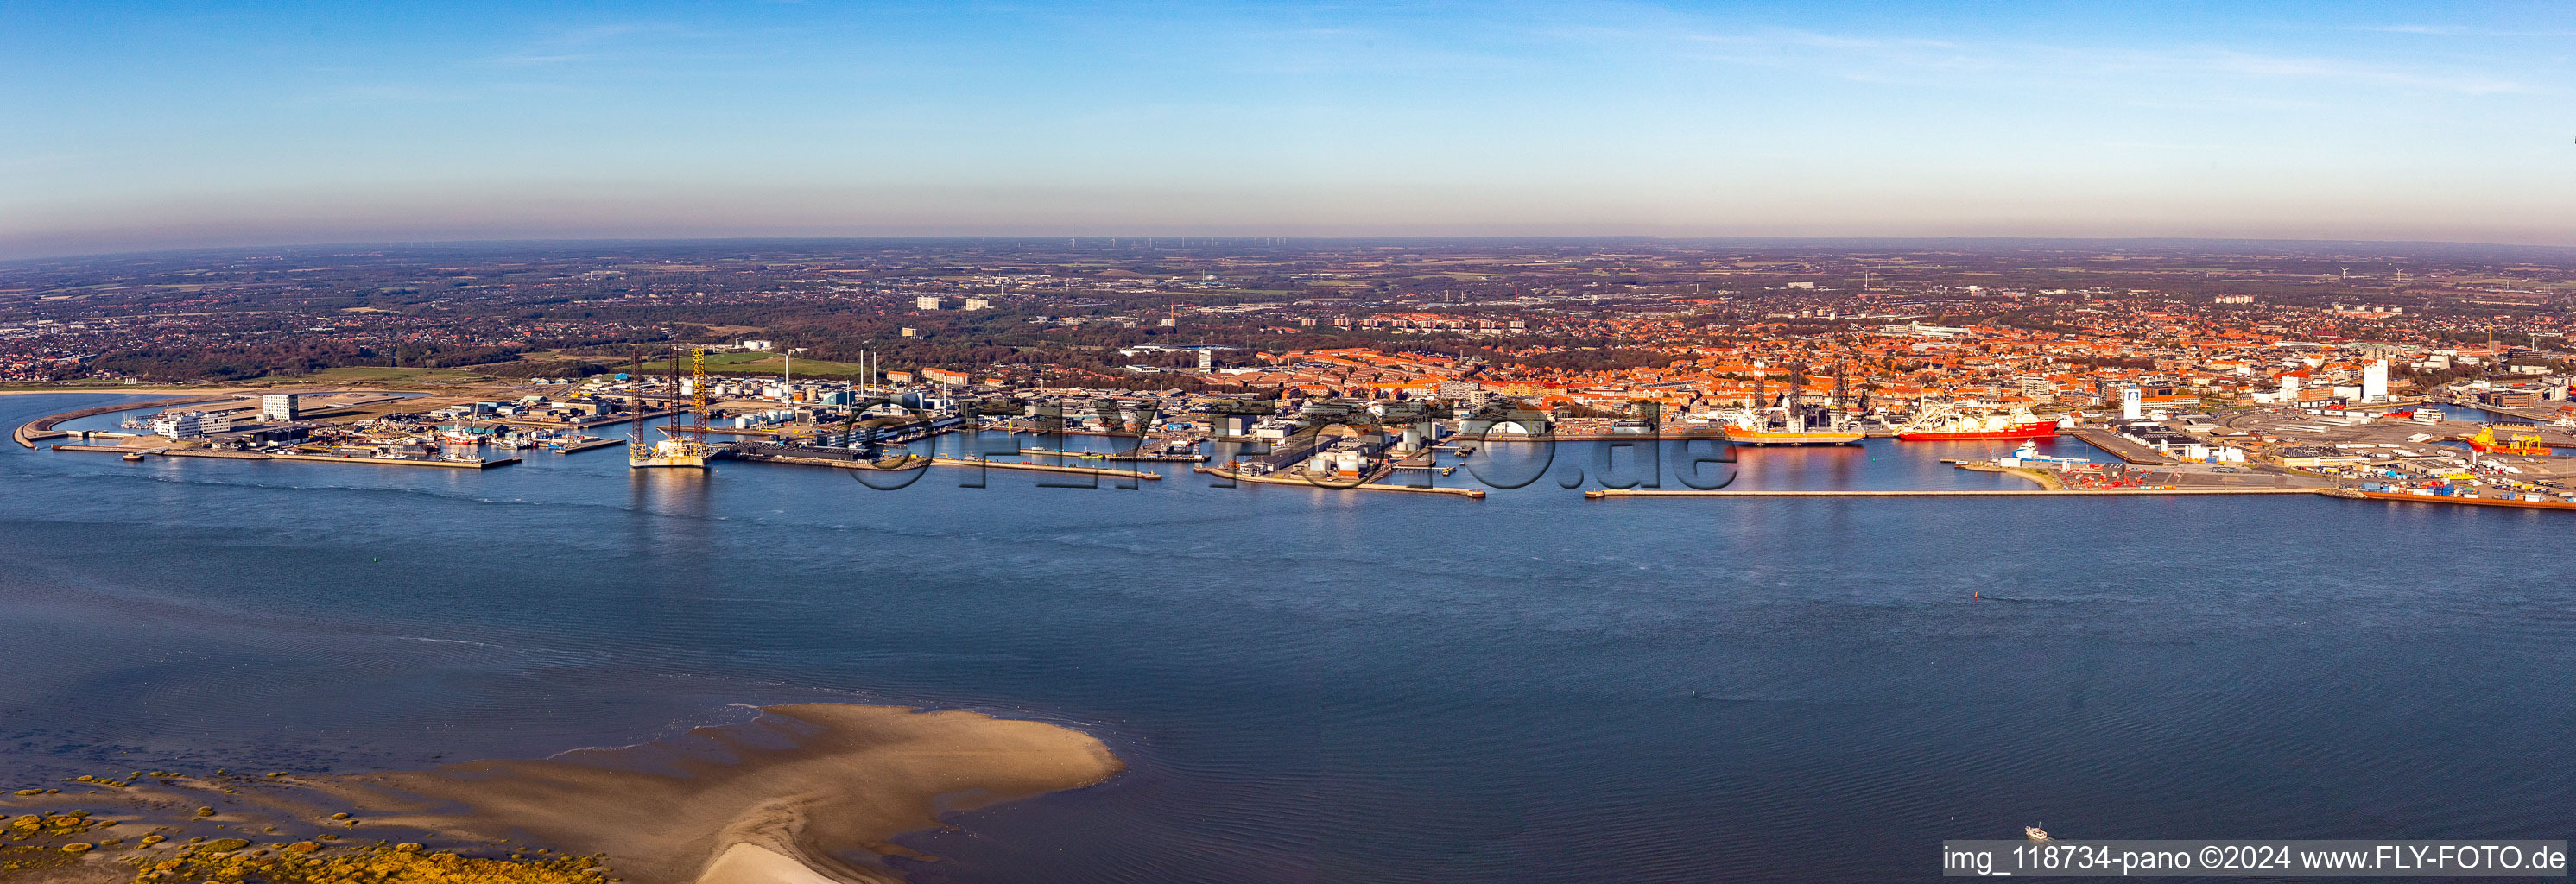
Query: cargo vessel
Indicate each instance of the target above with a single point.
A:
(1948, 424)
(2485, 441)
(2441, 494)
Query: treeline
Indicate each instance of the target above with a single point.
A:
(439, 356)
(294, 357)
(552, 368)
(234, 363)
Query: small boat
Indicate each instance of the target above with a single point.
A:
(2035, 833)
(132, 456)
(2029, 451)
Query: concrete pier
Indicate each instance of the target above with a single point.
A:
(917, 462)
(1045, 468)
(586, 446)
(1367, 485)
(2120, 447)
(304, 458)
(2177, 492)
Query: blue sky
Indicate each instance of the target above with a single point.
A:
(149, 125)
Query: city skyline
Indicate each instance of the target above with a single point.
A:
(153, 127)
(1304, 442)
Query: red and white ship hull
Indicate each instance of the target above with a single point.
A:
(2041, 429)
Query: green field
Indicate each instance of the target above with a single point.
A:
(88, 386)
(383, 375)
(754, 363)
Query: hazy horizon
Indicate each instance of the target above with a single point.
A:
(159, 127)
(2354, 249)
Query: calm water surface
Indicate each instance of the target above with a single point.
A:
(1320, 686)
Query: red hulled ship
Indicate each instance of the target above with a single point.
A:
(1949, 425)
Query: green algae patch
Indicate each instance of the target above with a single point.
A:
(309, 863)
(46, 845)
(35, 842)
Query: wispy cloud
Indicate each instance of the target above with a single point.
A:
(586, 44)
(618, 30)
(392, 93)
(2456, 31)
(1909, 59)
(2239, 64)
(530, 59)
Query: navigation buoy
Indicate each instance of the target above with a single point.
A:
(1977, 594)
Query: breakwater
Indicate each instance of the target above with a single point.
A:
(31, 432)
